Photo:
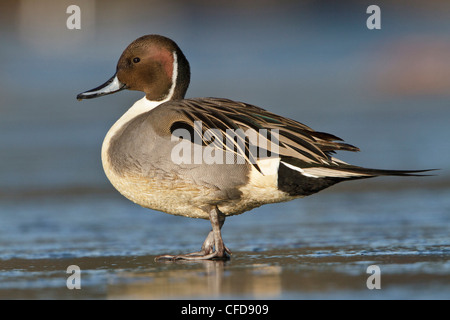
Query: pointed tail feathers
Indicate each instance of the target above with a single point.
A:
(346, 171)
(368, 172)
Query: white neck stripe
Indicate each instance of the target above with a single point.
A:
(174, 77)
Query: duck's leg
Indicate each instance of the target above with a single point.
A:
(212, 241)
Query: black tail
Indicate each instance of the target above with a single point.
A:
(345, 171)
(298, 179)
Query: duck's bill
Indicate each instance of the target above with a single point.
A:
(110, 86)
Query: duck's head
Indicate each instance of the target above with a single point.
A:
(153, 64)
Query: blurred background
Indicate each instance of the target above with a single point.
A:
(386, 91)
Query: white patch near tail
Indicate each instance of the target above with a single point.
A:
(262, 187)
(269, 166)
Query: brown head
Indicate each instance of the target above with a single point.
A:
(153, 64)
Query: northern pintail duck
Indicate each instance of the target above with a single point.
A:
(189, 157)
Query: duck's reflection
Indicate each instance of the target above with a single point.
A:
(197, 279)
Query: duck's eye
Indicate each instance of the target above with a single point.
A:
(136, 60)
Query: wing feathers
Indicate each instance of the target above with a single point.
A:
(295, 139)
